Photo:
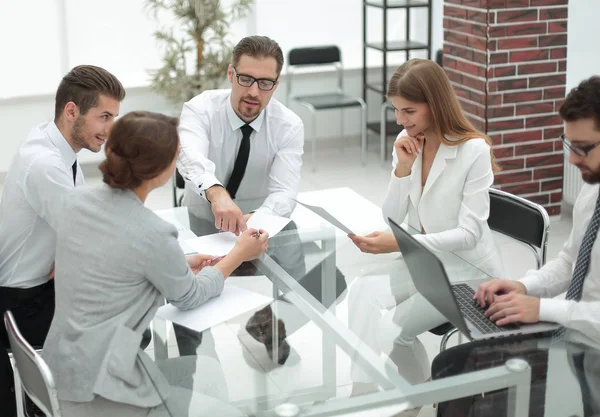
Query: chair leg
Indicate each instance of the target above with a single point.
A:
(342, 130)
(363, 136)
(314, 140)
(19, 396)
(382, 133)
(447, 337)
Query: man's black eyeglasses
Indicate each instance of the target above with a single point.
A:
(264, 84)
(582, 151)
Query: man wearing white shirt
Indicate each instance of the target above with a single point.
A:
(40, 177)
(540, 295)
(242, 143)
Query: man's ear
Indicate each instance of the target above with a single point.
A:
(230, 73)
(71, 112)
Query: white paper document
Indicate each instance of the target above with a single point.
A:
(232, 302)
(327, 216)
(220, 244)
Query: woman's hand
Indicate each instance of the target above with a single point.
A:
(376, 242)
(407, 149)
(251, 244)
(198, 261)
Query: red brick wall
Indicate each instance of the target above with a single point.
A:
(507, 62)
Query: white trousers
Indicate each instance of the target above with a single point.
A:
(408, 314)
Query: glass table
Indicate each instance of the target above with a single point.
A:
(293, 356)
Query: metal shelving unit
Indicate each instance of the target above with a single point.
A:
(389, 126)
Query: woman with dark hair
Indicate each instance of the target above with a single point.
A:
(115, 263)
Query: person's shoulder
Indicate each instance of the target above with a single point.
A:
(474, 146)
(38, 154)
(209, 99)
(279, 113)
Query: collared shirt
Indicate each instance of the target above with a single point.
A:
(210, 139)
(39, 177)
(553, 279)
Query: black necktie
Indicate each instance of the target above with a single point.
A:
(74, 168)
(239, 168)
(582, 265)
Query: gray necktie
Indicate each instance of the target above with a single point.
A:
(582, 265)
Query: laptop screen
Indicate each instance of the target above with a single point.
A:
(429, 276)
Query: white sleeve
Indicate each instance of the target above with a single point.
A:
(284, 177)
(473, 213)
(193, 163)
(46, 186)
(395, 204)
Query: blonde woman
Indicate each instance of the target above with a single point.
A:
(442, 170)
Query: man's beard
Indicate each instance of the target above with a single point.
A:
(77, 134)
(589, 176)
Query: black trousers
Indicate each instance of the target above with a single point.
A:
(33, 310)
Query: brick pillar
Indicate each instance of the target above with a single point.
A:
(507, 60)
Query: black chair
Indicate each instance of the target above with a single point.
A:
(519, 219)
(178, 184)
(324, 56)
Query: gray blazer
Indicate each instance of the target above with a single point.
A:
(115, 263)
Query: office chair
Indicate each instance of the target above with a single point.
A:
(519, 219)
(178, 184)
(321, 56)
(32, 375)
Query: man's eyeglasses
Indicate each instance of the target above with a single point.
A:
(582, 151)
(264, 84)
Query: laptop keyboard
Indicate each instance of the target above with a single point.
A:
(476, 315)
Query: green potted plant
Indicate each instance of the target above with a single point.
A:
(196, 51)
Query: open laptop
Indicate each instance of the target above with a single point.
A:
(454, 301)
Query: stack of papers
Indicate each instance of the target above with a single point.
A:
(220, 244)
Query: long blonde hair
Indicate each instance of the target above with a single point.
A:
(424, 81)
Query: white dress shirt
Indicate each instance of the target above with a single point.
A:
(210, 139)
(453, 207)
(39, 177)
(553, 279)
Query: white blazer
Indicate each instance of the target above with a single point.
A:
(453, 206)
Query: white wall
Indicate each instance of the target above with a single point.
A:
(583, 59)
(122, 42)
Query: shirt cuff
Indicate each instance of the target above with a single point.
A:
(554, 310)
(203, 183)
(532, 285)
(399, 182)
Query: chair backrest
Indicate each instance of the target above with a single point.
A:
(313, 56)
(520, 219)
(36, 378)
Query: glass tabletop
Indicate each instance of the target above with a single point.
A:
(326, 341)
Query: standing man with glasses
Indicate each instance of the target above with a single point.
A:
(242, 143)
(239, 146)
(566, 291)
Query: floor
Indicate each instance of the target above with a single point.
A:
(335, 168)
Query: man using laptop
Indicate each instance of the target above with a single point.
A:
(575, 270)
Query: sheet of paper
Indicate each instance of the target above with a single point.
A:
(220, 244)
(232, 302)
(269, 222)
(325, 214)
